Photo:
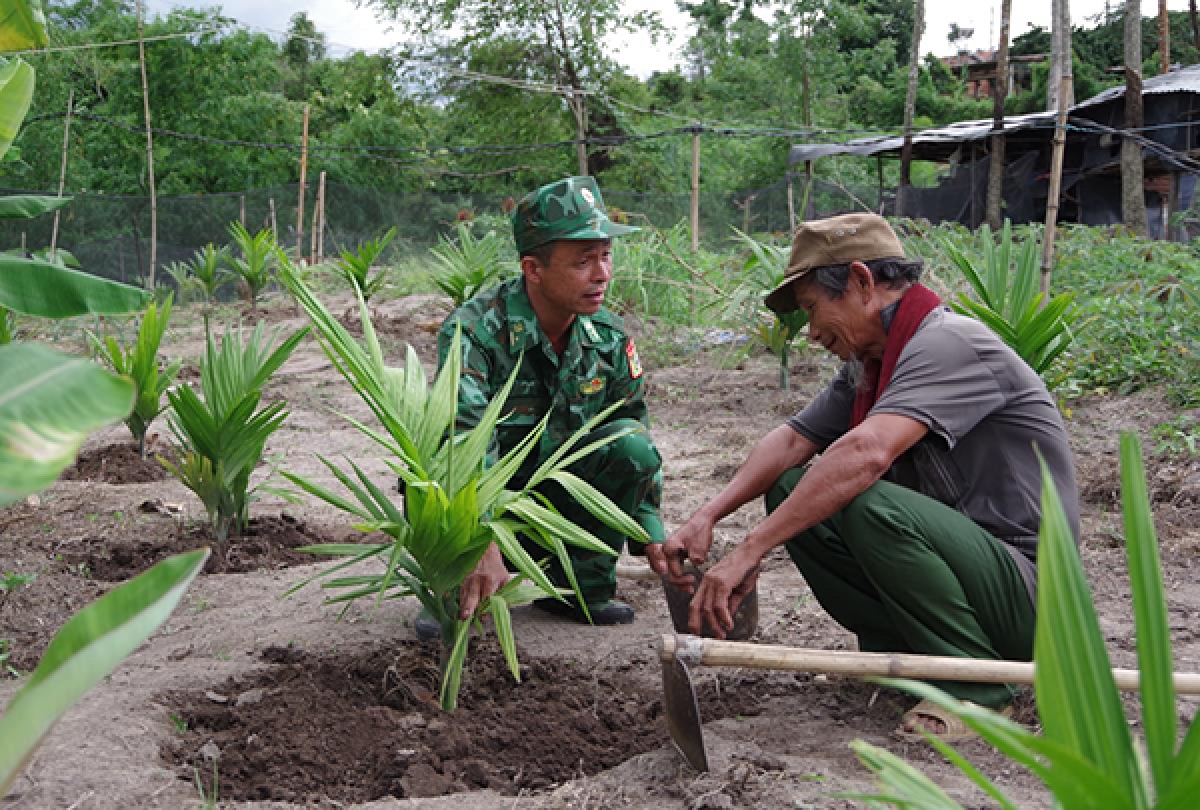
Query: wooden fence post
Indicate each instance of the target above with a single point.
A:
(303, 178)
(62, 172)
(695, 187)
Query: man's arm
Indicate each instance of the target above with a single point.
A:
(844, 471)
(776, 453)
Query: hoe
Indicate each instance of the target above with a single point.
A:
(680, 652)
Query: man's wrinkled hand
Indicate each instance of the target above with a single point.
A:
(488, 577)
(722, 591)
(690, 542)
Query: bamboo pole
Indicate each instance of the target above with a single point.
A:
(274, 224)
(303, 179)
(321, 221)
(242, 209)
(791, 203)
(62, 172)
(1056, 168)
(695, 187)
(149, 151)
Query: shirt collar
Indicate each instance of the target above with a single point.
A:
(524, 330)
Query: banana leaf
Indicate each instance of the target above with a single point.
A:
(45, 290)
(90, 646)
(49, 404)
(16, 93)
(22, 25)
(28, 206)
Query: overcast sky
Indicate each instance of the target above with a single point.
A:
(348, 27)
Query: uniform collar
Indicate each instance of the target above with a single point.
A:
(524, 330)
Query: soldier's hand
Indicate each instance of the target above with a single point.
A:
(690, 542)
(487, 578)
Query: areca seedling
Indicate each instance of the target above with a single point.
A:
(205, 272)
(762, 272)
(256, 265)
(356, 265)
(139, 362)
(220, 436)
(456, 503)
(1005, 279)
(468, 264)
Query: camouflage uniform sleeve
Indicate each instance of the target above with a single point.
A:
(475, 389)
(631, 388)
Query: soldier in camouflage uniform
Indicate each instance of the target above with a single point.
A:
(575, 360)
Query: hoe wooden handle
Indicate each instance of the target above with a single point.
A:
(695, 651)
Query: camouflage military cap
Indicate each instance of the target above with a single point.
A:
(566, 209)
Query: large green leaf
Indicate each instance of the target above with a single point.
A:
(33, 287)
(22, 25)
(1150, 616)
(90, 646)
(16, 93)
(48, 405)
(28, 206)
(1076, 695)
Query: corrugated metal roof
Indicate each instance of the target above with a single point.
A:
(1184, 80)
(943, 140)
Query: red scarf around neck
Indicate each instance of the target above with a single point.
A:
(918, 302)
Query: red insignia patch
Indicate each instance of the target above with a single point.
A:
(635, 363)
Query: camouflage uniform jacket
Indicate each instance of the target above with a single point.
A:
(599, 366)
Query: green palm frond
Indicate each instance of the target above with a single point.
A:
(1004, 278)
(455, 504)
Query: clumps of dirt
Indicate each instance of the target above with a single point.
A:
(360, 726)
(413, 320)
(117, 464)
(269, 543)
(32, 614)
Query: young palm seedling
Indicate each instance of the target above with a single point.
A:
(355, 265)
(205, 273)
(1005, 280)
(762, 272)
(139, 362)
(468, 265)
(456, 504)
(256, 265)
(220, 436)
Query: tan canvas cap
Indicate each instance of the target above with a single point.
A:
(832, 242)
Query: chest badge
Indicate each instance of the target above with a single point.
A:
(592, 386)
(635, 362)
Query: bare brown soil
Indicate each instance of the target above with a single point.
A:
(343, 717)
(117, 464)
(366, 725)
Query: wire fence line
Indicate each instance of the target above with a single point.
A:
(110, 234)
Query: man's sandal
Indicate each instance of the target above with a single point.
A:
(955, 729)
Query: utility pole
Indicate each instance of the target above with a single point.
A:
(149, 151)
(1164, 37)
(910, 103)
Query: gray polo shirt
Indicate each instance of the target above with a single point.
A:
(986, 411)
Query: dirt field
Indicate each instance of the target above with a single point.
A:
(293, 708)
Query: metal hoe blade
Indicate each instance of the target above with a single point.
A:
(683, 711)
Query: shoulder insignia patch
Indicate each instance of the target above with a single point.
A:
(590, 328)
(592, 386)
(635, 363)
